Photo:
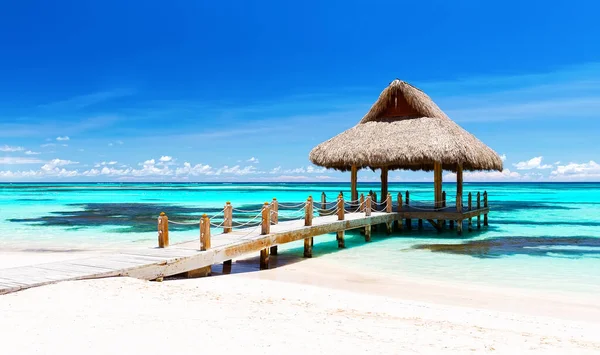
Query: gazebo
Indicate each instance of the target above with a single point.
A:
(405, 129)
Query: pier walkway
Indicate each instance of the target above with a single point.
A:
(195, 258)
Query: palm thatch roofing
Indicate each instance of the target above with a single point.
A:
(405, 129)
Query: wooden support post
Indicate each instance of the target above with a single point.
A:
(227, 266)
(384, 184)
(459, 226)
(308, 247)
(264, 259)
(478, 207)
(323, 204)
(273, 250)
(266, 219)
(362, 203)
(308, 211)
(274, 212)
(443, 206)
(485, 204)
(340, 239)
(204, 233)
(451, 224)
(368, 233)
(470, 202)
(227, 218)
(340, 207)
(420, 224)
(353, 182)
(408, 220)
(163, 230)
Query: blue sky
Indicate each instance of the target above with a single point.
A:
(241, 91)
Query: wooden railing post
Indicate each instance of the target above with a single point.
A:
(228, 218)
(408, 220)
(470, 202)
(274, 220)
(163, 230)
(388, 203)
(227, 228)
(266, 219)
(308, 211)
(308, 218)
(368, 213)
(362, 203)
(274, 211)
(323, 204)
(265, 229)
(374, 199)
(340, 207)
(388, 209)
(485, 204)
(399, 221)
(478, 207)
(204, 233)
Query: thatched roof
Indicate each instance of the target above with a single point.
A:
(405, 129)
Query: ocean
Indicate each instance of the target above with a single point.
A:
(543, 236)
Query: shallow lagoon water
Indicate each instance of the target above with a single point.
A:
(541, 236)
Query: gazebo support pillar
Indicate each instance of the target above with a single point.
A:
(437, 184)
(384, 184)
(459, 180)
(353, 182)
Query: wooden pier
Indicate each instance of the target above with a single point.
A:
(195, 258)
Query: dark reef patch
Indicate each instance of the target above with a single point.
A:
(532, 246)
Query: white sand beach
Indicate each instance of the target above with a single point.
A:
(311, 307)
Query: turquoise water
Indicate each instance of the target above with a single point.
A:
(541, 235)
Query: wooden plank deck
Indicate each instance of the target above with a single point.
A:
(153, 263)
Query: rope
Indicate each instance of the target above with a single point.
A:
(218, 226)
(184, 223)
(291, 206)
(216, 214)
(246, 211)
(249, 221)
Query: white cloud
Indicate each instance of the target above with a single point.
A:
(503, 175)
(55, 163)
(29, 152)
(47, 145)
(165, 158)
(275, 170)
(577, 171)
(195, 170)
(237, 170)
(104, 163)
(533, 163)
(503, 157)
(19, 160)
(8, 148)
(63, 138)
(253, 160)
